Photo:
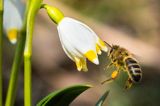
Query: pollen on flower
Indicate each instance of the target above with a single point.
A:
(98, 50)
(102, 45)
(84, 65)
(12, 35)
(91, 55)
(78, 64)
(81, 64)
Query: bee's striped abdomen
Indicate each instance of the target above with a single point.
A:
(133, 69)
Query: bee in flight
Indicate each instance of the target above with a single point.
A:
(122, 59)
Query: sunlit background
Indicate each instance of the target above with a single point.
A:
(133, 24)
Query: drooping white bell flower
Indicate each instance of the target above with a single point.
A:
(12, 18)
(78, 40)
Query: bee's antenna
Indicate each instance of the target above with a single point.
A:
(108, 44)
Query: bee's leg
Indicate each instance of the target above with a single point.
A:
(109, 65)
(113, 77)
(128, 83)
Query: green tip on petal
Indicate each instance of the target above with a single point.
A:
(54, 13)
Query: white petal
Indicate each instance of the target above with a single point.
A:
(104, 48)
(96, 61)
(20, 6)
(13, 41)
(78, 36)
(12, 17)
(68, 48)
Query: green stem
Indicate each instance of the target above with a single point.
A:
(12, 88)
(1, 37)
(33, 9)
(11, 94)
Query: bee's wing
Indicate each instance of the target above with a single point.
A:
(135, 56)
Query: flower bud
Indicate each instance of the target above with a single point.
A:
(54, 13)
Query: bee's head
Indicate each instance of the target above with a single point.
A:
(113, 48)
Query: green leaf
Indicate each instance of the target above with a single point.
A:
(63, 97)
(102, 98)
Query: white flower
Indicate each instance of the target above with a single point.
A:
(78, 40)
(12, 18)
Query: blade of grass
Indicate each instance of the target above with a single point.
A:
(102, 99)
(63, 97)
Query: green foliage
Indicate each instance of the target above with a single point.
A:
(63, 97)
(102, 98)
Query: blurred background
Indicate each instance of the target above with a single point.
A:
(133, 24)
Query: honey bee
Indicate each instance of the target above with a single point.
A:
(122, 59)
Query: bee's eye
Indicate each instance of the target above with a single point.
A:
(111, 50)
(114, 60)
